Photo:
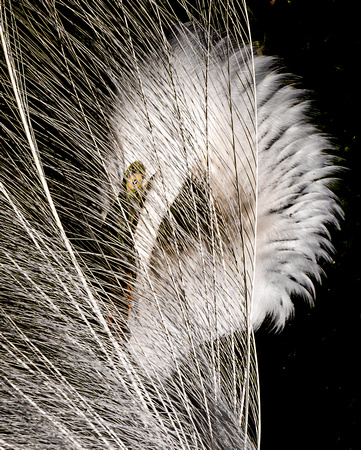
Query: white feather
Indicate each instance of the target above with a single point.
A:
(128, 313)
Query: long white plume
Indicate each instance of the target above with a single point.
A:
(162, 192)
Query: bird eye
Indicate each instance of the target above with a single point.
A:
(135, 179)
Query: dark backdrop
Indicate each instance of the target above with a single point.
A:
(310, 372)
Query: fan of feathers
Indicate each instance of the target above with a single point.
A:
(162, 192)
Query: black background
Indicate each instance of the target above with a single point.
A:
(310, 372)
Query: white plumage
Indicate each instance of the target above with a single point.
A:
(283, 159)
(159, 225)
